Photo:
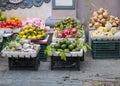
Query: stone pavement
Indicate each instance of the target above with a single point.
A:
(103, 70)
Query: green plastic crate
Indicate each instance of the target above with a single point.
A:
(42, 56)
(105, 49)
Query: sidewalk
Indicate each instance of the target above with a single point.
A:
(103, 70)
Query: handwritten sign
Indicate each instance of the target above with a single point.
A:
(15, 1)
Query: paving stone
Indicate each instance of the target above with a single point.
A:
(90, 70)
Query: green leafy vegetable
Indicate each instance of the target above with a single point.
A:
(47, 50)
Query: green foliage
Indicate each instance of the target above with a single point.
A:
(78, 43)
(9, 40)
(47, 50)
(1, 39)
(83, 45)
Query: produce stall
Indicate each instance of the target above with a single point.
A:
(68, 28)
(22, 55)
(104, 35)
(66, 54)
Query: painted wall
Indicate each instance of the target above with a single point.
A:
(43, 12)
(85, 8)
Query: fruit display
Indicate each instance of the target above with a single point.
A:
(103, 31)
(101, 17)
(66, 46)
(36, 22)
(32, 32)
(15, 49)
(20, 46)
(69, 28)
(13, 22)
(2, 16)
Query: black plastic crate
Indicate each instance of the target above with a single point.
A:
(105, 49)
(71, 63)
(23, 63)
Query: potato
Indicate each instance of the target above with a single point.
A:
(100, 16)
(90, 24)
(114, 24)
(105, 14)
(103, 21)
(98, 20)
(95, 14)
(96, 25)
(95, 18)
(99, 11)
(92, 20)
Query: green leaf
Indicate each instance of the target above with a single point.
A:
(63, 57)
(84, 49)
(1, 39)
(59, 50)
(88, 46)
(47, 50)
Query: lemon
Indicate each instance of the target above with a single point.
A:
(21, 33)
(30, 30)
(43, 34)
(105, 29)
(34, 37)
(39, 36)
(113, 30)
(33, 28)
(24, 36)
(26, 31)
(27, 26)
(12, 17)
(29, 37)
(110, 34)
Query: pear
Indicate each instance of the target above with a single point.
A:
(3, 17)
(110, 34)
(113, 30)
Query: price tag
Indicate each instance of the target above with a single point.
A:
(15, 1)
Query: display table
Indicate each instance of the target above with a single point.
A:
(72, 61)
(43, 44)
(19, 60)
(105, 47)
